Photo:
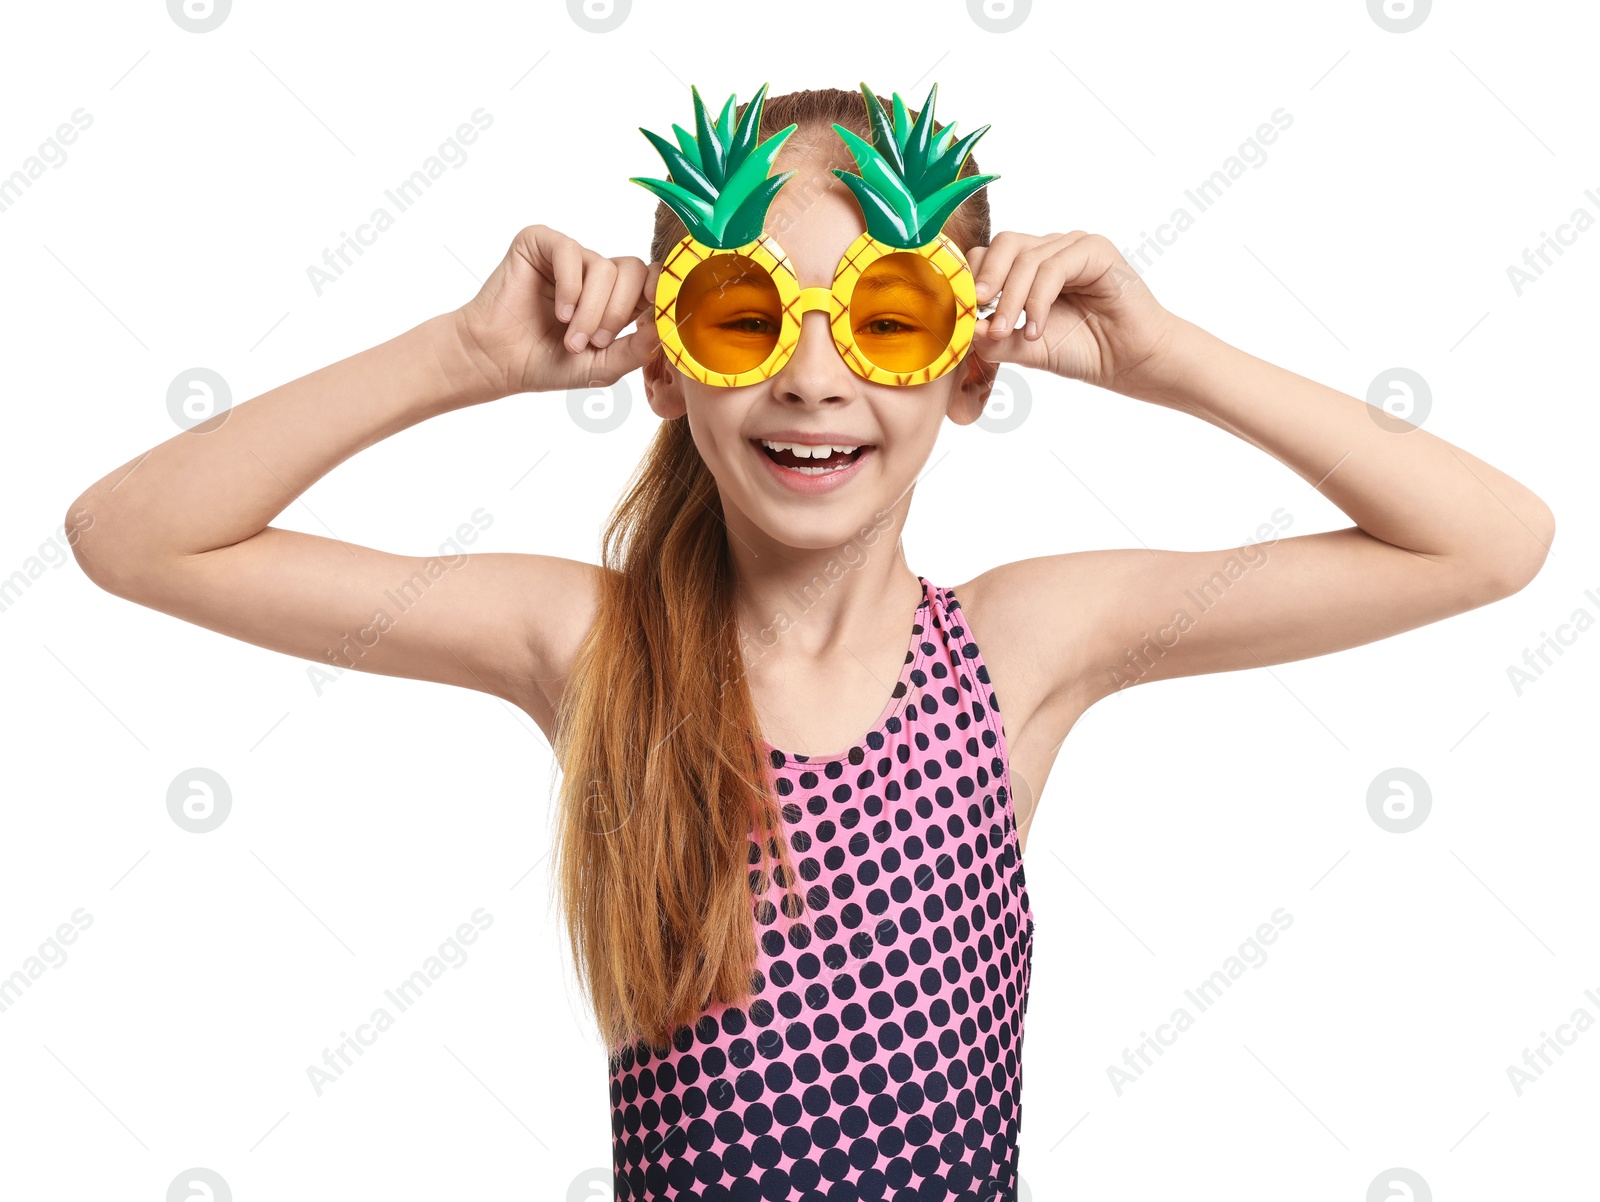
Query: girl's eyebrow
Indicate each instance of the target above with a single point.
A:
(883, 283)
(736, 288)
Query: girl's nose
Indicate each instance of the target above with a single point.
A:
(815, 371)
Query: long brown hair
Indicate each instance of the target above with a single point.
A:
(664, 788)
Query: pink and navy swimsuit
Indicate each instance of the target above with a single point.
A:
(881, 1054)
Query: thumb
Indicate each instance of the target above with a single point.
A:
(1013, 348)
(628, 353)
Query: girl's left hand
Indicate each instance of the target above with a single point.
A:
(1089, 315)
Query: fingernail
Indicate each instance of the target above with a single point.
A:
(1032, 331)
(578, 341)
(983, 290)
(565, 312)
(999, 324)
(601, 338)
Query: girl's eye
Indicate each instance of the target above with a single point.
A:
(749, 325)
(882, 326)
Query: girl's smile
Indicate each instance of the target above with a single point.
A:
(812, 463)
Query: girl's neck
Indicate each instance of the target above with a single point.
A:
(805, 602)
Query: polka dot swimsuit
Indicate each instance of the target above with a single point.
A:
(881, 1054)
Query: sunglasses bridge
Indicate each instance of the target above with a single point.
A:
(814, 298)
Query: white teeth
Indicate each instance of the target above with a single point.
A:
(804, 451)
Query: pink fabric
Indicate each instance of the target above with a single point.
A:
(880, 1057)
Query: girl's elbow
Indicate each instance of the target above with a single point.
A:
(1514, 565)
(98, 550)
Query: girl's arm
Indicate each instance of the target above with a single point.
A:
(1437, 530)
(183, 528)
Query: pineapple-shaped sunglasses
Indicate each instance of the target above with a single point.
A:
(728, 303)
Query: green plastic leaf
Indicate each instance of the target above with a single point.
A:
(948, 165)
(883, 223)
(916, 150)
(882, 135)
(721, 184)
(725, 121)
(744, 138)
(881, 175)
(748, 177)
(695, 213)
(910, 173)
(686, 142)
(748, 220)
(681, 169)
(711, 160)
(936, 209)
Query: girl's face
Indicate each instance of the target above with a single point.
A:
(815, 400)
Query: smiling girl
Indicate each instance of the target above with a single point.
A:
(797, 775)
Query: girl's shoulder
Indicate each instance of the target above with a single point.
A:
(1035, 622)
(1025, 616)
(1031, 622)
(561, 602)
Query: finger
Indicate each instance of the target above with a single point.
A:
(1014, 290)
(1091, 267)
(599, 274)
(1046, 290)
(1008, 348)
(624, 302)
(560, 259)
(647, 294)
(632, 351)
(1024, 292)
(995, 262)
(1098, 268)
(626, 354)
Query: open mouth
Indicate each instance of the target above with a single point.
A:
(819, 460)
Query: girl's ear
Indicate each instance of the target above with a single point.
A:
(663, 387)
(975, 380)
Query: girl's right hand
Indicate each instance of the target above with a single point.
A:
(547, 319)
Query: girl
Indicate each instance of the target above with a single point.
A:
(794, 811)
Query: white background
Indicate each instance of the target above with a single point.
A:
(370, 819)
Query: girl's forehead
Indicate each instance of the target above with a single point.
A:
(814, 218)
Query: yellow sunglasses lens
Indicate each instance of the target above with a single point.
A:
(729, 314)
(902, 312)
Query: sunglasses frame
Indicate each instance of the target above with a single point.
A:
(833, 300)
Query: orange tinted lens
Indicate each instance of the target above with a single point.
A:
(902, 312)
(729, 314)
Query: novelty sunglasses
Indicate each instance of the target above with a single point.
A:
(901, 307)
